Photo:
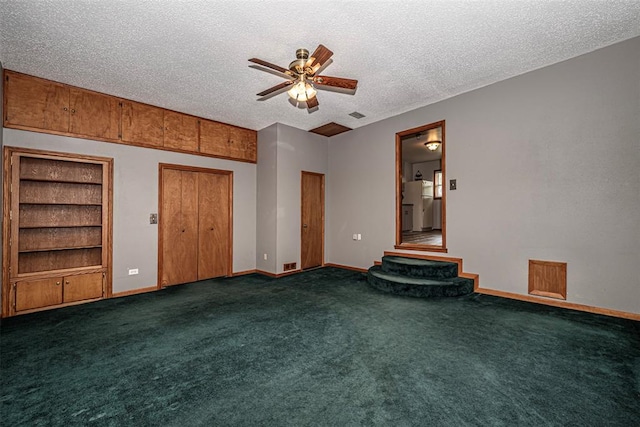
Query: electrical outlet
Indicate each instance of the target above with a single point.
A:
(355, 236)
(265, 257)
(359, 236)
(453, 185)
(133, 271)
(153, 218)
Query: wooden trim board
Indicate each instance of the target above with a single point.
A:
(560, 304)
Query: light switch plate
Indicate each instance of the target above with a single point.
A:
(453, 185)
(153, 218)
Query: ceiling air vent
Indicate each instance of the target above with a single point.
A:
(357, 115)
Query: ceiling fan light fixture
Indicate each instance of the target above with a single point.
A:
(302, 91)
(432, 145)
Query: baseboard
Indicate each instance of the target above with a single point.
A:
(276, 276)
(244, 273)
(134, 292)
(561, 304)
(346, 267)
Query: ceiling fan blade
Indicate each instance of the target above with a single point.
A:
(319, 57)
(270, 65)
(275, 88)
(336, 82)
(312, 103)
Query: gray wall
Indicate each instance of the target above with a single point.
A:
(548, 167)
(267, 204)
(135, 196)
(283, 153)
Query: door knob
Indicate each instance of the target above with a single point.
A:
(304, 225)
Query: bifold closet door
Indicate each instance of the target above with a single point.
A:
(213, 225)
(179, 222)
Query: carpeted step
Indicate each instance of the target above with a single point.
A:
(418, 287)
(420, 268)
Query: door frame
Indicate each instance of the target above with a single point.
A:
(184, 168)
(322, 189)
(443, 167)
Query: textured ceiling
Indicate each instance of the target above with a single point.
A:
(191, 56)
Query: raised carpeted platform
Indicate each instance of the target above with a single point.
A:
(418, 278)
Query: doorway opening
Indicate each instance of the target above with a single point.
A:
(420, 191)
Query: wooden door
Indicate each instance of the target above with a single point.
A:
(312, 217)
(179, 224)
(36, 103)
(214, 224)
(142, 124)
(180, 131)
(93, 114)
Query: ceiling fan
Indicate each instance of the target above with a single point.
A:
(301, 76)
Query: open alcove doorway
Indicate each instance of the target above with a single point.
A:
(420, 190)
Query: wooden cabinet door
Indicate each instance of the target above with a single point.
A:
(312, 232)
(36, 103)
(242, 144)
(214, 228)
(214, 138)
(82, 286)
(93, 114)
(180, 131)
(142, 124)
(38, 293)
(179, 222)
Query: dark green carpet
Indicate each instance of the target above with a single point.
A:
(317, 348)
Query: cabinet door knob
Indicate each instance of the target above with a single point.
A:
(211, 229)
(58, 283)
(73, 110)
(65, 109)
(66, 283)
(304, 225)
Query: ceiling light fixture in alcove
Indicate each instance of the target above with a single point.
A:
(432, 145)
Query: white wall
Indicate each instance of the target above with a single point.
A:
(135, 196)
(548, 167)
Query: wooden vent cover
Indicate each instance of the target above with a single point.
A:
(548, 279)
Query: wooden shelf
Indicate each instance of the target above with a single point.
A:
(25, 251)
(60, 229)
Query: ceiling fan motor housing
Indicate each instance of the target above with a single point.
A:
(297, 66)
